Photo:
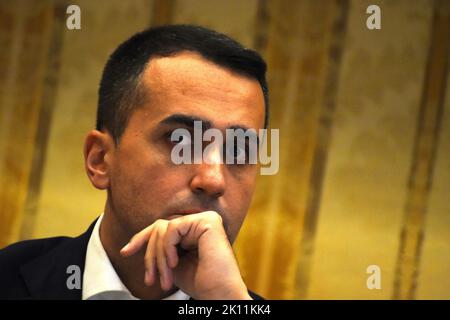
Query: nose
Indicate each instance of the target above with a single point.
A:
(209, 176)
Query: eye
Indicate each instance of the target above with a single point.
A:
(179, 136)
(237, 153)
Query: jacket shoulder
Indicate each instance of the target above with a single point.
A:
(13, 257)
(37, 269)
(21, 252)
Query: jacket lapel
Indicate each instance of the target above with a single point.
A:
(46, 277)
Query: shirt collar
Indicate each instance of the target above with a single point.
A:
(100, 280)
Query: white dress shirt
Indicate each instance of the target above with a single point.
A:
(100, 280)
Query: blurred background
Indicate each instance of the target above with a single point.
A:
(364, 119)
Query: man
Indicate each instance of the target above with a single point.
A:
(167, 229)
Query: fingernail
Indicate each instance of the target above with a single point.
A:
(126, 247)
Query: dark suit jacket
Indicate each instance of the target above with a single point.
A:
(37, 269)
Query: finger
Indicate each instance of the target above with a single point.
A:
(150, 259)
(136, 242)
(164, 271)
(176, 230)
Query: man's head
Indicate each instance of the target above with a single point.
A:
(158, 81)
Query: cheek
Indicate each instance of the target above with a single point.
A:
(149, 182)
(243, 186)
(239, 198)
(139, 176)
(141, 191)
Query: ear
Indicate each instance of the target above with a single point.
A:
(98, 154)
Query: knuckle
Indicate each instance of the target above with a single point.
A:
(172, 225)
(213, 216)
(161, 224)
(171, 228)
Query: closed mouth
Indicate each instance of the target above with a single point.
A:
(181, 213)
(189, 211)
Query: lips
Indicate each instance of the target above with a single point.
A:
(184, 213)
(189, 211)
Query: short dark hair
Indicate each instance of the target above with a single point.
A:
(120, 87)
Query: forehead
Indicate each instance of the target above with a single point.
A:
(189, 84)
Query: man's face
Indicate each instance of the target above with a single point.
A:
(145, 185)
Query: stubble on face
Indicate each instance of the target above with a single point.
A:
(145, 184)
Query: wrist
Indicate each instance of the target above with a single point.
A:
(238, 292)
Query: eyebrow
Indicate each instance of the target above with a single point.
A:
(186, 120)
(250, 132)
